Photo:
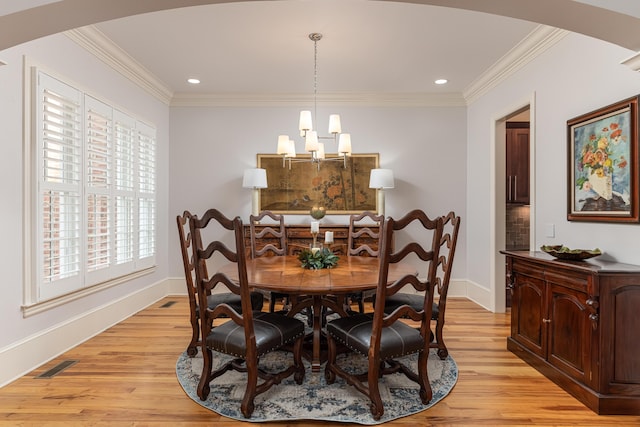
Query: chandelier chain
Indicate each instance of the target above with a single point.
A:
(315, 37)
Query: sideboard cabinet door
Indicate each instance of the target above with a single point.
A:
(569, 332)
(528, 311)
(621, 336)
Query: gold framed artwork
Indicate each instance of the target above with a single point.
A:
(337, 189)
(603, 181)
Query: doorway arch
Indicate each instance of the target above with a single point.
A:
(18, 27)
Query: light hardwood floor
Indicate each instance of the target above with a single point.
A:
(126, 376)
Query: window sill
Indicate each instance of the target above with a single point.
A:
(39, 307)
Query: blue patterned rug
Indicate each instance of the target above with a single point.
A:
(314, 399)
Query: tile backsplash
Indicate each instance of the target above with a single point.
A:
(517, 227)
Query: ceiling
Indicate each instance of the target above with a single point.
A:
(262, 47)
(367, 46)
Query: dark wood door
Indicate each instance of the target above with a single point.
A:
(517, 164)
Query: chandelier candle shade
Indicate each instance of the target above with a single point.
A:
(286, 146)
(255, 179)
(380, 179)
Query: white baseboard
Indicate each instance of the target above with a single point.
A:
(478, 294)
(176, 286)
(27, 354)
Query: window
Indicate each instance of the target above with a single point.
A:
(94, 204)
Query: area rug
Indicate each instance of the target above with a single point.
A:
(314, 399)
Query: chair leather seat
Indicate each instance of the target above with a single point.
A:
(233, 300)
(271, 330)
(354, 332)
(414, 301)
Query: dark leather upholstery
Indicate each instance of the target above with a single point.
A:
(272, 331)
(354, 332)
(413, 300)
(233, 300)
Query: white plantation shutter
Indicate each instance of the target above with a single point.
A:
(59, 204)
(99, 184)
(125, 135)
(95, 198)
(146, 191)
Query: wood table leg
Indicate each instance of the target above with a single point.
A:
(317, 329)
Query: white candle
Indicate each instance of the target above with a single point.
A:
(314, 250)
(315, 226)
(328, 237)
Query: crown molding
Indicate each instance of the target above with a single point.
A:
(349, 99)
(536, 43)
(94, 41)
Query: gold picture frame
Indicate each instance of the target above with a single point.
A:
(603, 181)
(296, 187)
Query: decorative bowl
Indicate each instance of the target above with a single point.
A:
(563, 252)
(317, 212)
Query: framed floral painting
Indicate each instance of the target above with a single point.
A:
(603, 164)
(301, 186)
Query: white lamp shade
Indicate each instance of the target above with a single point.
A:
(334, 123)
(320, 152)
(381, 178)
(305, 120)
(344, 144)
(291, 148)
(283, 144)
(311, 141)
(255, 178)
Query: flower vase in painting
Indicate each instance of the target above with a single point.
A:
(602, 173)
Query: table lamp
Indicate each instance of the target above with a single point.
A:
(255, 179)
(381, 179)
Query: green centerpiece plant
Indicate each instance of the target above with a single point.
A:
(320, 258)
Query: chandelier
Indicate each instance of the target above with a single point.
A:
(286, 147)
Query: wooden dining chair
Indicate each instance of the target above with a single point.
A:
(360, 234)
(383, 338)
(186, 250)
(247, 336)
(445, 263)
(269, 240)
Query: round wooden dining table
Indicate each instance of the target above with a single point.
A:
(316, 289)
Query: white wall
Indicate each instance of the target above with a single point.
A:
(425, 147)
(576, 76)
(63, 57)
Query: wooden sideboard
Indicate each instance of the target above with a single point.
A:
(577, 323)
(299, 237)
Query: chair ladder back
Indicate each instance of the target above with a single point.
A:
(363, 230)
(445, 262)
(204, 284)
(427, 254)
(275, 231)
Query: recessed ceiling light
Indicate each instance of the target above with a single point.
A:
(193, 81)
(441, 81)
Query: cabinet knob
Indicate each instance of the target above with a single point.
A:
(546, 320)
